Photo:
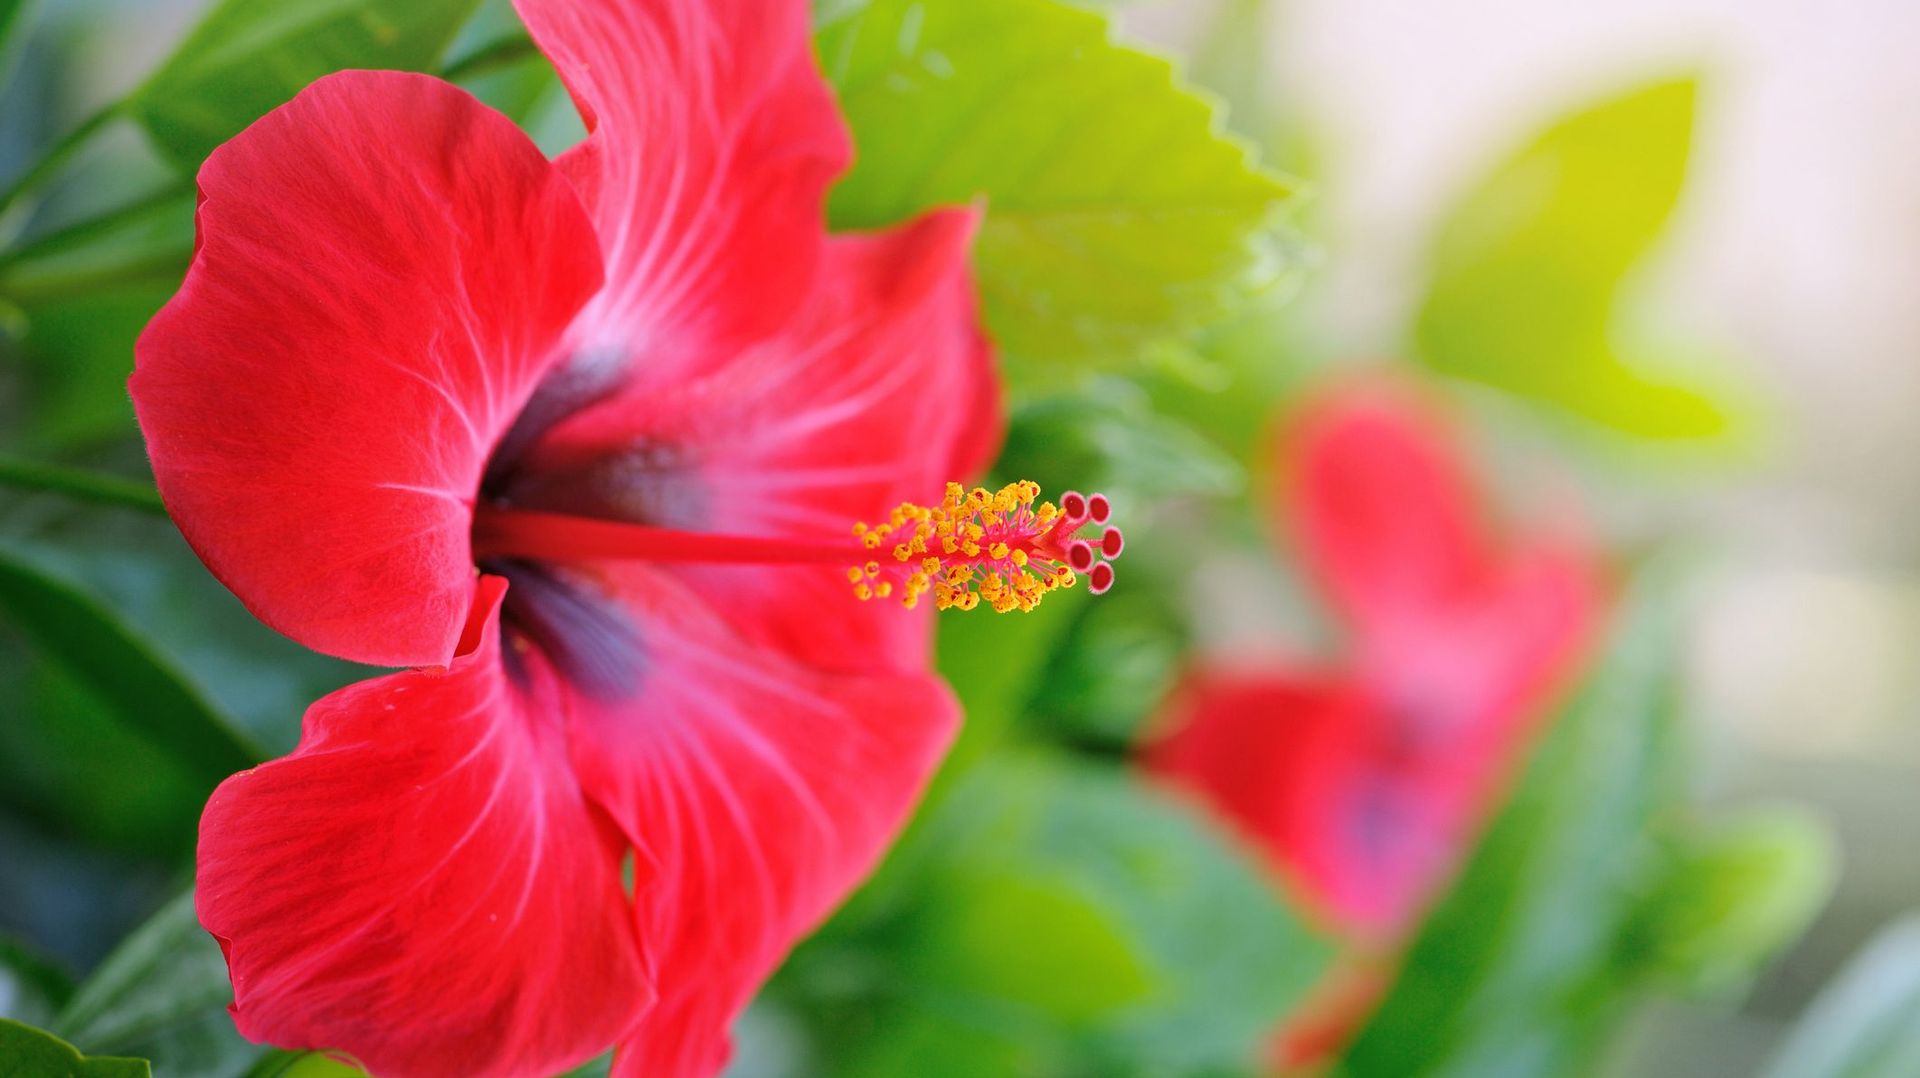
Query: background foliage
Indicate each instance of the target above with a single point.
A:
(1047, 914)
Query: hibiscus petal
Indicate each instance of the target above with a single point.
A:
(384, 269)
(421, 883)
(1479, 672)
(1382, 509)
(758, 792)
(881, 391)
(1311, 773)
(713, 138)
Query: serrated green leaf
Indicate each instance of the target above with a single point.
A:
(163, 994)
(26, 1052)
(144, 690)
(1528, 268)
(247, 57)
(1118, 213)
(1515, 973)
(1866, 1024)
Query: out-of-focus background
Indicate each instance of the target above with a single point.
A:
(1793, 257)
(1505, 202)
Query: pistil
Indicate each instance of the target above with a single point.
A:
(975, 546)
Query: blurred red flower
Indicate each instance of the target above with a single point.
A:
(413, 364)
(1364, 782)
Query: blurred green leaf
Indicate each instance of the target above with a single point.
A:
(246, 58)
(15, 16)
(1114, 665)
(1739, 891)
(995, 663)
(84, 292)
(1118, 213)
(98, 488)
(1527, 269)
(308, 1065)
(144, 690)
(142, 570)
(72, 765)
(31, 989)
(1515, 973)
(1866, 1024)
(163, 994)
(26, 1052)
(1108, 438)
(1068, 921)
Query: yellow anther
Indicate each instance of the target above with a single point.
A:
(975, 546)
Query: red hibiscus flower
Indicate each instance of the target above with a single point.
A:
(1364, 782)
(580, 441)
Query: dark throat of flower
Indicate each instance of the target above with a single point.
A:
(973, 547)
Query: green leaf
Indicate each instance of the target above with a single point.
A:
(1740, 890)
(995, 663)
(1866, 1024)
(26, 1052)
(141, 569)
(1067, 920)
(1528, 268)
(163, 994)
(1108, 438)
(72, 766)
(246, 58)
(1115, 664)
(308, 1065)
(1118, 213)
(31, 989)
(148, 694)
(1515, 973)
(15, 17)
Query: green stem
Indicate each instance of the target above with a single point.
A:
(54, 159)
(496, 54)
(92, 227)
(81, 484)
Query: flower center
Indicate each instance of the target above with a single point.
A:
(974, 546)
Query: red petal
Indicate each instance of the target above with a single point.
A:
(882, 391)
(1482, 668)
(384, 268)
(759, 792)
(1382, 509)
(421, 884)
(1369, 791)
(713, 140)
(1315, 776)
